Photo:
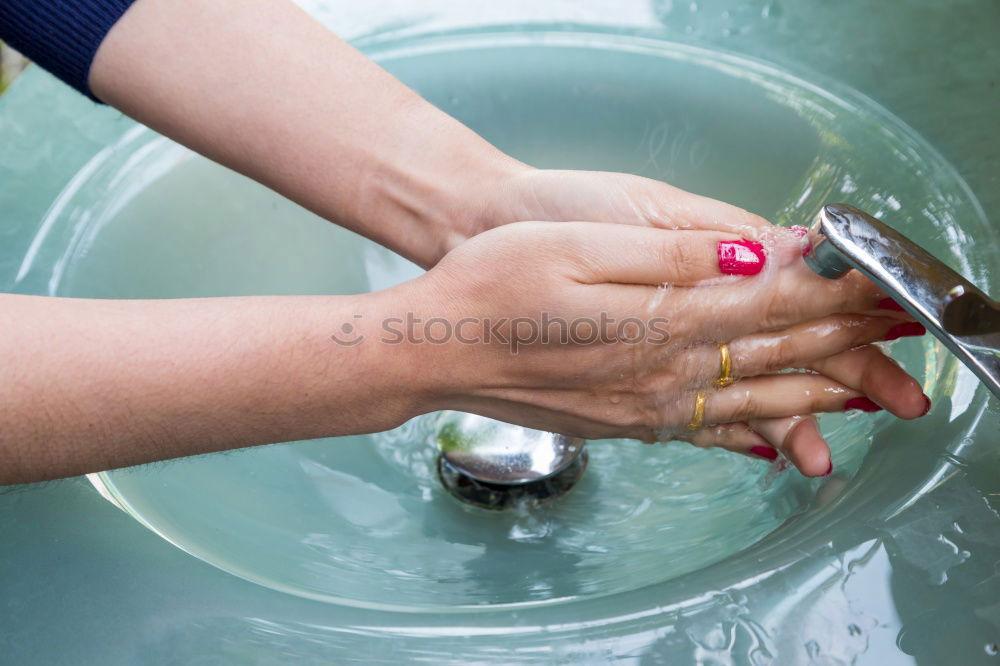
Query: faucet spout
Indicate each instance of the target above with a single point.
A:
(964, 318)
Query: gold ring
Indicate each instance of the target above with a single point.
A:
(725, 367)
(699, 411)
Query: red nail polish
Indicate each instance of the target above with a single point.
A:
(927, 406)
(801, 232)
(741, 257)
(889, 304)
(863, 404)
(765, 452)
(829, 469)
(905, 330)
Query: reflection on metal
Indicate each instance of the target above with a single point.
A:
(494, 464)
(505, 496)
(959, 314)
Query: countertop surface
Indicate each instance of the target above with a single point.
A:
(83, 583)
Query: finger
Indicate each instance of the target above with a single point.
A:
(635, 255)
(879, 380)
(675, 208)
(799, 439)
(795, 347)
(735, 437)
(778, 299)
(776, 396)
(624, 198)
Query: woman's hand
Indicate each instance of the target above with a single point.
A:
(562, 195)
(626, 357)
(554, 195)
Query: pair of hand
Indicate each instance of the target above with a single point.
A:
(406, 175)
(635, 302)
(660, 276)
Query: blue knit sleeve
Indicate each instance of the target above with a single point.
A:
(60, 35)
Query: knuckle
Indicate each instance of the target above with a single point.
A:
(866, 331)
(781, 354)
(677, 262)
(845, 299)
(723, 435)
(847, 331)
(744, 406)
(778, 309)
(654, 415)
(705, 438)
(857, 292)
(872, 366)
(819, 401)
(867, 357)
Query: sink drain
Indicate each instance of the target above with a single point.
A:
(498, 496)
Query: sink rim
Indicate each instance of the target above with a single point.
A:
(721, 574)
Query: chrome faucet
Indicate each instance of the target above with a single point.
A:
(953, 309)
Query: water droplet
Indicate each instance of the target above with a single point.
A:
(992, 649)
(894, 266)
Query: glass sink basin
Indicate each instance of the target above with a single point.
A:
(362, 521)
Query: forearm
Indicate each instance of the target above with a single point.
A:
(273, 94)
(87, 384)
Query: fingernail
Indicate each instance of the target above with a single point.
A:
(927, 406)
(765, 452)
(889, 304)
(829, 469)
(741, 257)
(905, 330)
(863, 404)
(801, 232)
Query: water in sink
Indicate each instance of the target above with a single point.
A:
(363, 520)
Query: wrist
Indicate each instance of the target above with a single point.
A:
(408, 373)
(470, 203)
(430, 185)
(426, 329)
